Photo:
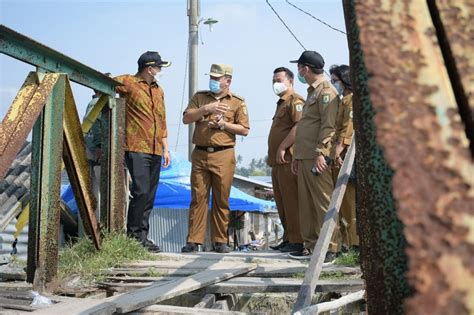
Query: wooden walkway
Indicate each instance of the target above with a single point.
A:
(187, 283)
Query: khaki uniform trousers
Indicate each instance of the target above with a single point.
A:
(210, 170)
(347, 213)
(314, 195)
(285, 190)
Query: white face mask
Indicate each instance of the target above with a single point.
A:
(157, 76)
(279, 87)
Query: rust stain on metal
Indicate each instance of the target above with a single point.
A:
(116, 149)
(22, 115)
(78, 168)
(422, 136)
(17, 123)
(455, 31)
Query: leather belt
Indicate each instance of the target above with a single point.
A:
(213, 149)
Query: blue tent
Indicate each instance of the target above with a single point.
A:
(174, 191)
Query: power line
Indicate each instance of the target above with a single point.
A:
(184, 91)
(289, 30)
(319, 20)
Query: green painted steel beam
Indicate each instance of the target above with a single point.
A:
(116, 161)
(30, 51)
(43, 234)
(112, 171)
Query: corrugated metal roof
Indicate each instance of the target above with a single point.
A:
(17, 180)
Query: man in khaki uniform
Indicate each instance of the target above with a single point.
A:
(219, 115)
(340, 78)
(312, 145)
(280, 154)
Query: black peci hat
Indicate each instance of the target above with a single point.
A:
(310, 58)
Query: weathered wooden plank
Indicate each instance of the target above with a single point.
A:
(79, 307)
(168, 309)
(158, 292)
(263, 270)
(257, 285)
(207, 301)
(15, 286)
(332, 305)
(264, 256)
(317, 259)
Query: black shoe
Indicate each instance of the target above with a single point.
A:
(292, 247)
(189, 248)
(152, 248)
(279, 246)
(330, 256)
(148, 242)
(304, 254)
(222, 248)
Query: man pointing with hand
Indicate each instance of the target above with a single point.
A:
(219, 116)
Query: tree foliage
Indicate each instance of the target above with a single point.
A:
(257, 167)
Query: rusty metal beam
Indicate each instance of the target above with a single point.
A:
(112, 171)
(415, 184)
(452, 20)
(116, 153)
(21, 116)
(30, 51)
(45, 209)
(77, 167)
(93, 114)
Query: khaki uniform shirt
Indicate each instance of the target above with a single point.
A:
(145, 114)
(214, 137)
(318, 123)
(344, 127)
(288, 113)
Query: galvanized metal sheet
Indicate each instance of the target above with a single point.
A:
(169, 228)
(77, 167)
(415, 183)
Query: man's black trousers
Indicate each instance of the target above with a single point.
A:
(145, 172)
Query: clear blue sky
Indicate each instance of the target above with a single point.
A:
(110, 36)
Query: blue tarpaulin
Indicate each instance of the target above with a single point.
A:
(174, 191)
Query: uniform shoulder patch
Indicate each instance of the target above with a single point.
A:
(299, 107)
(244, 108)
(326, 98)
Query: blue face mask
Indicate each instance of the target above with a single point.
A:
(301, 78)
(339, 88)
(214, 86)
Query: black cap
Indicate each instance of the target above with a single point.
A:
(153, 59)
(310, 58)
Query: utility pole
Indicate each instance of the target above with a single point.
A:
(193, 13)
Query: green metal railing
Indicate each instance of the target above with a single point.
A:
(45, 104)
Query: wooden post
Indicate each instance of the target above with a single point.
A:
(317, 259)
